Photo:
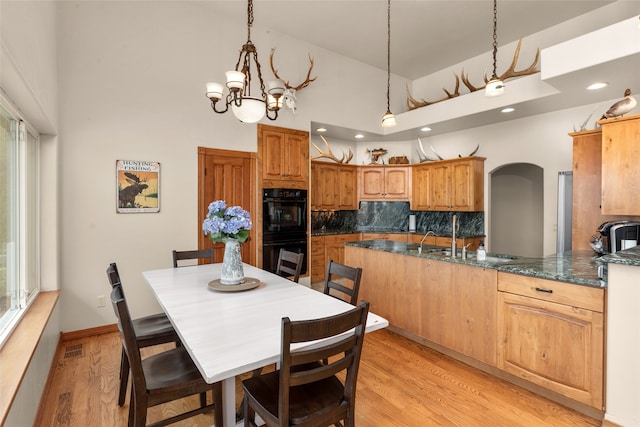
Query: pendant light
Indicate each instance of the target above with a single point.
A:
(388, 120)
(247, 108)
(495, 86)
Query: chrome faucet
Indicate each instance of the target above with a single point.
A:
(453, 236)
(424, 237)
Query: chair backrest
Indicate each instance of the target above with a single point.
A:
(290, 264)
(343, 352)
(113, 275)
(127, 333)
(336, 282)
(199, 254)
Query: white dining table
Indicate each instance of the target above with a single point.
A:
(230, 333)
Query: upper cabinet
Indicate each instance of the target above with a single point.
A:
(588, 212)
(283, 157)
(421, 187)
(453, 185)
(385, 183)
(334, 186)
(620, 165)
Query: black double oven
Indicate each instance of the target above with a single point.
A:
(284, 225)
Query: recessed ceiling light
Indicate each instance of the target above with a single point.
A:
(359, 136)
(597, 85)
(321, 129)
(508, 110)
(425, 129)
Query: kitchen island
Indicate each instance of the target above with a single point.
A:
(536, 322)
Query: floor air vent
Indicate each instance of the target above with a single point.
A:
(74, 350)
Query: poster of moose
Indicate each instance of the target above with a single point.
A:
(138, 186)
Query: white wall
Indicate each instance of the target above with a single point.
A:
(132, 78)
(28, 76)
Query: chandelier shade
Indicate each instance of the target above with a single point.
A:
(246, 107)
(252, 109)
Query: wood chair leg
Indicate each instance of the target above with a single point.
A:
(124, 378)
(217, 401)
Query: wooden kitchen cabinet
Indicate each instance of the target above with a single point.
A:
(457, 185)
(586, 214)
(552, 334)
(445, 241)
(396, 237)
(283, 157)
(620, 165)
(333, 186)
(421, 187)
(460, 310)
(324, 248)
(384, 182)
(453, 305)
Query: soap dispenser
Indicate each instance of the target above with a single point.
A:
(481, 254)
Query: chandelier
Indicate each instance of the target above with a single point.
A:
(246, 107)
(388, 120)
(494, 86)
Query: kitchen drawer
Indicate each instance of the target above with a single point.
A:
(549, 290)
(341, 238)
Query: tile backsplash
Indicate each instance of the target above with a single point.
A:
(394, 217)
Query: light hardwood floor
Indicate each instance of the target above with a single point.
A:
(400, 383)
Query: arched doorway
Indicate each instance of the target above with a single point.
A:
(516, 210)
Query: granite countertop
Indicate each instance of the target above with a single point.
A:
(328, 232)
(626, 257)
(578, 267)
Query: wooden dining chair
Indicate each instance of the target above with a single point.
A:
(305, 391)
(206, 255)
(342, 282)
(289, 264)
(149, 330)
(162, 377)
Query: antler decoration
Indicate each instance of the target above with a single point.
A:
(425, 158)
(302, 85)
(511, 72)
(329, 154)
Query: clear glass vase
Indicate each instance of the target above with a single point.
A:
(232, 271)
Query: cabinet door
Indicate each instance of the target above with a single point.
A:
(295, 159)
(441, 187)
(318, 262)
(328, 184)
(557, 346)
(273, 146)
(396, 183)
(283, 157)
(371, 182)
(460, 309)
(347, 188)
(421, 188)
(620, 166)
(461, 186)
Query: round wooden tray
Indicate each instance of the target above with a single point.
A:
(247, 284)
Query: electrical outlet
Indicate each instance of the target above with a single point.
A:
(102, 300)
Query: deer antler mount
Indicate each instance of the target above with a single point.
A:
(329, 154)
(511, 72)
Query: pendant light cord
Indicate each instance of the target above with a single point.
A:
(495, 37)
(388, 54)
(250, 19)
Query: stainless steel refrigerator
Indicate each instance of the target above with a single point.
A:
(565, 202)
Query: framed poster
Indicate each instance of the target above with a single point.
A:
(137, 186)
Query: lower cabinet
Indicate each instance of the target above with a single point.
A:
(324, 248)
(396, 237)
(552, 334)
(548, 333)
(453, 305)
